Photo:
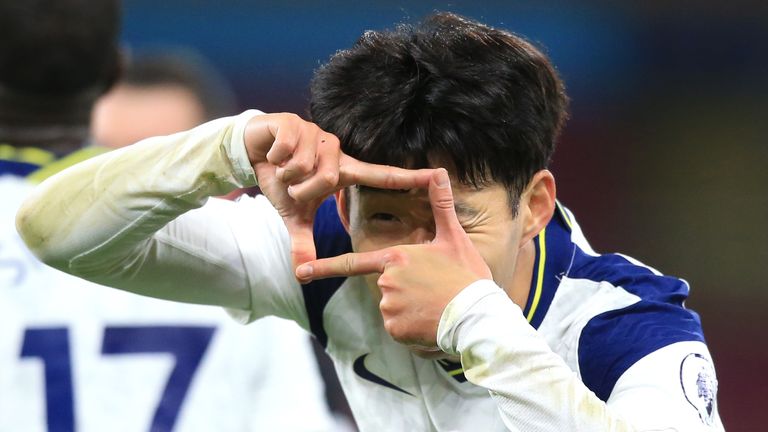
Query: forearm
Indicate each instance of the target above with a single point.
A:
(534, 389)
(99, 218)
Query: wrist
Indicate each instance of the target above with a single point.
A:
(451, 318)
(237, 151)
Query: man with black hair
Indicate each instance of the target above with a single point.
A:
(77, 356)
(452, 290)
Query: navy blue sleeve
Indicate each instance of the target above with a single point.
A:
(613, 341)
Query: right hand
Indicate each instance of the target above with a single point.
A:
(298, 165)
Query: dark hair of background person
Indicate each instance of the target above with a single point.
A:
(448, 90)
(56, 58)
(183, 68)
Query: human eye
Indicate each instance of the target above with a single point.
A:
(383, 217)
(383, 223)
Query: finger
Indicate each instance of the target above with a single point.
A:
(302, 242)
(447, 224)
(301, 164)
(285, 129)
(353, 171)
(326, 177)
(349, 264)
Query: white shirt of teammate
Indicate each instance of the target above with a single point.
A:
(77, 356)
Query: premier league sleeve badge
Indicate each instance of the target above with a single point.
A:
(699, 383)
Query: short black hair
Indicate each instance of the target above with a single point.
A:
(448, 90)
(59, 48)
(187, 69)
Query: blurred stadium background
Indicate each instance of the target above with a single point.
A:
(664, 157)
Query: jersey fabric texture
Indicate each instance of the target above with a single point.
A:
(77, 356)
(603, 344)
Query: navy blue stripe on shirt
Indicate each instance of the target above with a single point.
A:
(331, 239)
(559, 251)
(613, 341)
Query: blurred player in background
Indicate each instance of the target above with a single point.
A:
(461, 253)
(160, 92)
(75, 356)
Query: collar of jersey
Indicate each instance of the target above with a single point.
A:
(554, 250)
(453, 369)
(36, 164)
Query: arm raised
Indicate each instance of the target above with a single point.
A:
(101, 219)
(122, 219)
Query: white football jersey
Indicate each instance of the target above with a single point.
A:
(604, 343)
(75, 356)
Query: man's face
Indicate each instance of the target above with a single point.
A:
(383, 218)
(129, 113)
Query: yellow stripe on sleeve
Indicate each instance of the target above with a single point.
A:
(30, 155)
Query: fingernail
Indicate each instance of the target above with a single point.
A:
(442, 178)
(304, 271)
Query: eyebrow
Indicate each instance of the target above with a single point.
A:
(463, 210)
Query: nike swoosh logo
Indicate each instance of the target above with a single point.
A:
(364, 373)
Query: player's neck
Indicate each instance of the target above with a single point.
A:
(520, 286)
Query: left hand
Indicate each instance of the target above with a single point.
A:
(298, 165)
(417, 281)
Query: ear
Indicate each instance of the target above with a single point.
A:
(537, 204)
(342, 206)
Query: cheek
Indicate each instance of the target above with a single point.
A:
(363, 243)
(366, 240)
(499, 250)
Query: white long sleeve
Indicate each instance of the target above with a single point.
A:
(100, 219)
(533, 387)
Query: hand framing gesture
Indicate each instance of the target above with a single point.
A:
(417, 281)
(298, 165)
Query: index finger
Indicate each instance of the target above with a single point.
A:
(353, 171)
(349, 264)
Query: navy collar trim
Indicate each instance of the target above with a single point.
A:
(554, 250)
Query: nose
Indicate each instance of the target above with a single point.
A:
(422, 235)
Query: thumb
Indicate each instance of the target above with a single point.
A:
(441, 199)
